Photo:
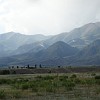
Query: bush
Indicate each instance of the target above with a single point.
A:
(2, 94)
(97, 77)
(93, 74)
(16, 86)
(49, 89)
(4, 72)
(98, 82)
(13, 72)
(63, 78)
(77, 81)
(34, 89)
(73, 76)
(34, 86)
(24, 86)
(5, 81)
(16, 94)
(48, 77)
(90, 82)
(38, 77)
(69, 85)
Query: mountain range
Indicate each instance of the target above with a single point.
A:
(79, 37)
(80, 47)
(10, 42)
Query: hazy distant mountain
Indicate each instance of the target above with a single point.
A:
(88, 32)
(15, 43)
(12, 41)
(79, 37)
(33, 47)
(79, 43)
(91, 50)
(55, 51)
(89, 56)
(56, 38)
(60, 49)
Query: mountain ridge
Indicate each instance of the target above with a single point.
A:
(59, 49)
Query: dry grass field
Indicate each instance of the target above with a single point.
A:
(51, 86)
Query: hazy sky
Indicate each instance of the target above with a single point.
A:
(46, 16)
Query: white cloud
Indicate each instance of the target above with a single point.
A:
(46, 16)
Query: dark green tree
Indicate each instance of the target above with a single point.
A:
(28, 66)
(35, 65)
(17, 67)
(40, 66)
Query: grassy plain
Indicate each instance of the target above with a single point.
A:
(67, 86)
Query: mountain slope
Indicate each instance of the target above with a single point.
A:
(60, 49)
(55, 51)
(89, 56)
(12, 41)
(84, 35)
(91, 50)
(88, 32)
(15, 43)
(32, 47)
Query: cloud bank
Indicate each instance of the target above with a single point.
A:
(46, 16)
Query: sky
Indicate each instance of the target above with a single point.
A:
(48, 17)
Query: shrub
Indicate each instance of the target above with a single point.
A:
(16, 94)
(77, 81)
(25, 86)
(63, 78)
(49, 89)
(49, 71)
(48, 77)
(16, 85)
(35, 89)
(97, 91)
(97, 77)
(69, 85)
(38, 77)
(73, 76)
(90, 81)
(5, 72)
(13, 72)
(93, 74)
(34, 86)
(5, 81)
(2, 94)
